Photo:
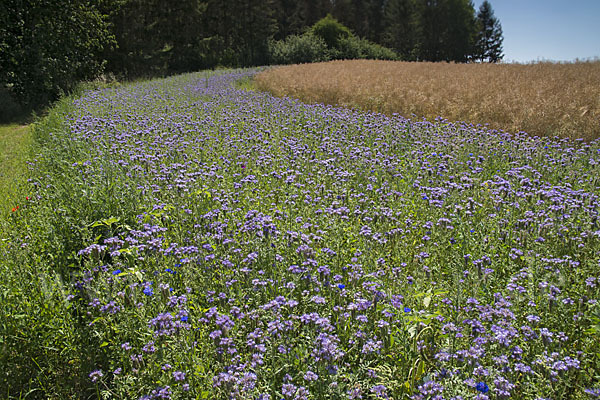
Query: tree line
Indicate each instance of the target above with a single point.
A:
(47, 46)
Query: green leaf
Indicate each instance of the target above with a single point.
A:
(105, 222)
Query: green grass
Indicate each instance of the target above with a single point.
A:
(15, 142)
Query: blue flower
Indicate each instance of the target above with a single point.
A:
(116, 272)
(482, 387)
(96, 375)
(341, 286)
(593, 393)
(407, 309)
(184, 318)
(148, 291)
(169, 270)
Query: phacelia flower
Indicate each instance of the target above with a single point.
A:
(96, 375)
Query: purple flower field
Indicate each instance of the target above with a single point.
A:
(233, 245)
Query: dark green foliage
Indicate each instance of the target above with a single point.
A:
(240, 31)
(10, 110)
(376, 10)
(448, 30)
(311, 11)
(47, 46)
(363, 17)
(288, 19)
(356, 48)
(402, 29)
(297, 49)
(331, 31)
(461, 30)
(156, 37)
(328, 39)
(489, 37)
(358, 19)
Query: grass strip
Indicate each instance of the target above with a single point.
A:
(15, 144)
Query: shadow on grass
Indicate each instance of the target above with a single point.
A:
(12, 112)
(15, 144)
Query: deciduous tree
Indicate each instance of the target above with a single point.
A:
(48, 46)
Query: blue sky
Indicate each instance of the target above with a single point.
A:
(555, 30)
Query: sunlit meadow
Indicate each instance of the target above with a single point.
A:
(196, 240)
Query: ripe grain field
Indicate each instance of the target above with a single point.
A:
(187, 239)
(544, 99)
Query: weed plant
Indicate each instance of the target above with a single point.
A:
(544, 99)
(186, 238)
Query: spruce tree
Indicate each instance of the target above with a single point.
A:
(448, 30)
(489, 38)
(402, 30)
(376, 23)
(461, 31)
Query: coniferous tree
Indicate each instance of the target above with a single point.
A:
(257, 26)
(376, 20)
(241, 30)
(448, 30)
(178, 27)
(310, 11)
(433, 28)
(402, 31)
(155, 37)
(359, 22)
(343, 11)
(462, 30)
(289, 22)
(489, 37)
(363, 17)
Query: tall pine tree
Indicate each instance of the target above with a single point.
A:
(461, 32)
(376, 20)
(489, 37)
(155, 37)
(448, 28)
(402, 30)
(289, 20)
(240, 30)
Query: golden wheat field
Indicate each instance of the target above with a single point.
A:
(544, 99)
